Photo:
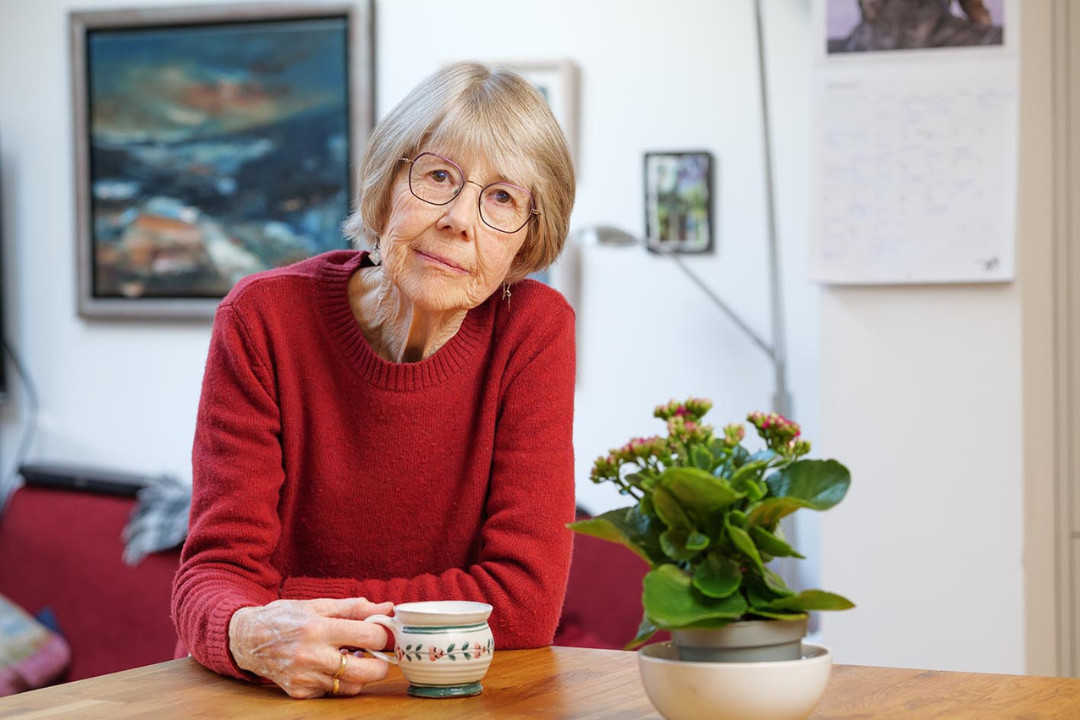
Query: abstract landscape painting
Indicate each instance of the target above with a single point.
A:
(215, 150)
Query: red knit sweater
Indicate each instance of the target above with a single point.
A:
(321, 470)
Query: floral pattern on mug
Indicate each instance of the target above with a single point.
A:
(466, 651)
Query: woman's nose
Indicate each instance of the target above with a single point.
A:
(462, 212)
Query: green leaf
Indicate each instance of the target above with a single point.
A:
(742, 541)
(739, 456)
(645, 631)
(757, 594)
(676, 543)
(776, 584)
(753, 489)
(697, 541)
(822, 483)
(451, 648)
(669, 509)
(815, 484)
(701, 458)
(751, 470)
(769, 543)
(717, 576)
(629, 527)
(698, 493)
(810, 600)
(671, 602)
(718, 449)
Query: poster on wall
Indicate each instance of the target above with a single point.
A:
(914, 150)
(899, 25)
(212, 143)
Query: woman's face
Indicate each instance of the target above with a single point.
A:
(444, 258)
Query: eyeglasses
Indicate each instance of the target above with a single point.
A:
(436, 180)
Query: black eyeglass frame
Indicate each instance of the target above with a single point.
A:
(533, 212)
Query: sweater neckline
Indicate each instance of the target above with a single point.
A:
(333, 287)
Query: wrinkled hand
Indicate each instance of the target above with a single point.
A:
(296, 644)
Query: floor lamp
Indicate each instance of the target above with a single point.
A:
(776, 350)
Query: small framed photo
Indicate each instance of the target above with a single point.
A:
(557, 81)
(678, 202)
(212, 142)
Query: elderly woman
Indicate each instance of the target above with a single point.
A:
(394, 426)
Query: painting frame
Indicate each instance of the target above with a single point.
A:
(356, 107)
(557, 81)
(679, 201)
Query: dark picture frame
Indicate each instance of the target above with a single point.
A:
(212, 142)
(678, 201)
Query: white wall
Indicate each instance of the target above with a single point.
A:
(923, 406)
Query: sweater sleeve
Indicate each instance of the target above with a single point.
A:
(525, 557)
(234, 525)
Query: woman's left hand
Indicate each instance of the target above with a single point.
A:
(297, 644)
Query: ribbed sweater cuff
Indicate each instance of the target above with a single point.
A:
(217, 641)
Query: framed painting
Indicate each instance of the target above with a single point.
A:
(212, 142)
(678, 202)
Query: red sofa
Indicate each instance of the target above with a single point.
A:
(603, 597)
(60, 551)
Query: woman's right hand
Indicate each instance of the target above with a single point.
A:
(297, 644)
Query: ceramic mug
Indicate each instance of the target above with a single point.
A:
(443, 647)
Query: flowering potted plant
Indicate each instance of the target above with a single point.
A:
(706, 518)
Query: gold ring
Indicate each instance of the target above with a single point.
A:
(341, 667)
(339, 673)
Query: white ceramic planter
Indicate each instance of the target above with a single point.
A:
(779, 690)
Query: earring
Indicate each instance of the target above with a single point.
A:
(375, 255)
(506, 293)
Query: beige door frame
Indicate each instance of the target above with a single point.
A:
(1048, 262)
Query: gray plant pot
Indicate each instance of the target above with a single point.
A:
(742, 641)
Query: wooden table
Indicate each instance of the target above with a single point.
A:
(546, 683)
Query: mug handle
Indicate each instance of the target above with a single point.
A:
(391, 626)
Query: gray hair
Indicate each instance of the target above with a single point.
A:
(491, 112)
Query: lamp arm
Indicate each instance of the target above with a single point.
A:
(781, 396)
(732, 315)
